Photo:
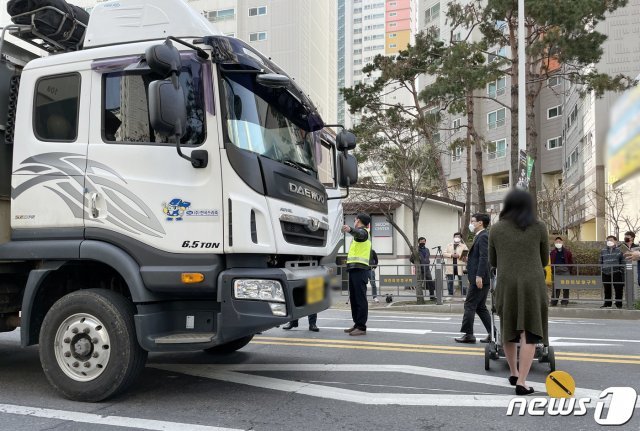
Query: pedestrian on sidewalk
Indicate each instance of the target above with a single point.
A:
(313, 327)
(560, 258)
(519, 250)
(454, 265)
(424, 270)
(373, 263)
(629, 240)
(613, 263)
(359, 271)
(478, 274)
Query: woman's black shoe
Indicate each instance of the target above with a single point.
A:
(513, 380)
(289, 326)
(521, 390)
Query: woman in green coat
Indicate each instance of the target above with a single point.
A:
(519, 249)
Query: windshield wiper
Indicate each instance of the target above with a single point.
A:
(298, 165)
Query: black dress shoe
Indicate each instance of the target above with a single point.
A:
(313, 328)
(467, 338)
(521, 390)
(605, 306)
(289, 326)
(487, 339)
(513, 380)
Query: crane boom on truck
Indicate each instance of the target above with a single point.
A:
(162, 188)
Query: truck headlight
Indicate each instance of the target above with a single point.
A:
(261, 290)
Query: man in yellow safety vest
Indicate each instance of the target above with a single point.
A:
(358, 268)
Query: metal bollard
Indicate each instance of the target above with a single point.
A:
(439, 283)
(629, 286)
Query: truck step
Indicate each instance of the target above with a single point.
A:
(186, 338)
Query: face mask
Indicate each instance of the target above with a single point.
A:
(422, 245)
(472, 227)
(558, 246)
(456, 240)
(610, 243)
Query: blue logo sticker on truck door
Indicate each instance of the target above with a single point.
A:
(174, 210)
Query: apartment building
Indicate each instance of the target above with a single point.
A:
(367, 28)
(299, 35)
(572, 126)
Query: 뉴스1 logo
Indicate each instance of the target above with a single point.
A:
(561, 389)
(178, 209)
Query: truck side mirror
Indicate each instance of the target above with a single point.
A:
(348, 169)
(168, 117)
(164, 59)
(345, 141)
(167, 110)
(273, 80)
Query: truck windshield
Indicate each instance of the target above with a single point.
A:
(267, 121)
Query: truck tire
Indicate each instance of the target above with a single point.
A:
(88, 345)
(230, 347)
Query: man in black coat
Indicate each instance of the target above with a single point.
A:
(478, 272)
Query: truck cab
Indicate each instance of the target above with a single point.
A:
(172, 189)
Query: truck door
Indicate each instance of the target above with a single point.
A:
(139, 190)
(50, 150)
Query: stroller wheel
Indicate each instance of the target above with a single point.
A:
(487, 357)
(552, 359)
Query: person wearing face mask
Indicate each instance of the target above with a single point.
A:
(629, 240)
(425, 272)
(454, 266)
(613, 263)
(560, 258)
(478, 273)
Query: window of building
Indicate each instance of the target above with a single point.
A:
(259, 36)
(393, 14)
(496, 119)
(497, 88)
(572, 160)
(392, 45)
(432, 12)
(357, 20)
(125, 113)
(357, 72)
(357, 31)
(357, 51)
(357, 10)
(588, 146)
(392, 35)
(55, 116)
(456, 154)
(553, 81)
(257, 11)
(373, 6)
(497, 149)
(393, 24)
(374, 27)
(554, 143)
(356, 81)
(554, 112)
(457, 37)
(392, 4)
(501, 25)
(357, 61)
(221, 15)
(374, 16)
(497, 54)
(455, 125)
(357, 41)
(374, 37)
(573, 116)
(367, 59)
(230, 34)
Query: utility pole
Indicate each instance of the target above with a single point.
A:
(522, 94)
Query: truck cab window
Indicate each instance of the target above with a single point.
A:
(55, 115)
(126, 110)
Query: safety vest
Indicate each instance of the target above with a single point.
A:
(360, 252)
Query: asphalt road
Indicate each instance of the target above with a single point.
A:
(405, 374)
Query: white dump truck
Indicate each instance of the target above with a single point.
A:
(162, 188)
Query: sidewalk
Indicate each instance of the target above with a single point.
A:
(573, 310)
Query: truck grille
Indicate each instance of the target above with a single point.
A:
(298, 234)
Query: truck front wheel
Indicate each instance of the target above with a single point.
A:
(88, 346)
(230, 347)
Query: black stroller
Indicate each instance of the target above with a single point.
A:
(494, 349)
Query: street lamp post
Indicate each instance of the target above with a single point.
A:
(522, 90)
